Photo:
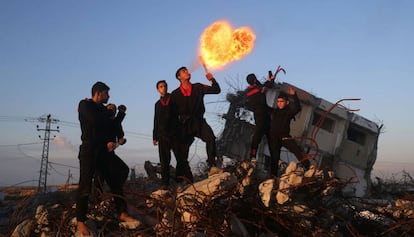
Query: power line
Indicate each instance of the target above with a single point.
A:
(56, 171)
(20, 144)
(11, 118)
(139, 135)
(19, 148)
(4, 118)
(27, 181)
(59, 164)
(69, 124)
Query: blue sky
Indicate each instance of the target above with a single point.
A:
(51, 52)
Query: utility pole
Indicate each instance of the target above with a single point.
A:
(41, 188)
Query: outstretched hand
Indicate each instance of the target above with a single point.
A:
(271, 77)
(209, 76)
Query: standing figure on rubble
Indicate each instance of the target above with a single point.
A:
(189, 100)
(163, 133)
(114, 170)
(114, 166)
(96, 145)
(256, 102)
(288, 106)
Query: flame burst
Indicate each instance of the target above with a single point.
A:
(220, 44)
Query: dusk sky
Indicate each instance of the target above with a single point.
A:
(52, 52)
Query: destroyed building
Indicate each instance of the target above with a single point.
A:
(334, 136)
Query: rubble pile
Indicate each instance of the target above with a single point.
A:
(231, 202)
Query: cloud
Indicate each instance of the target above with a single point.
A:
(64, 143)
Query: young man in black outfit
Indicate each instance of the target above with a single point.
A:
(96, 143)
(113, 163)
(280, 129)
(113, 168)
(163, 133)
(256, 102)
(189, 101)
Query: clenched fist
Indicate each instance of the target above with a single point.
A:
(122, 108)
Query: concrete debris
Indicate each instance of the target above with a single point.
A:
(41, 217)
(197, 193)
(292, 177)
(23, 229)
(130, 225)
(214, 170)
(91, 227)
(245, 170)
(265, 191)
(298, 203)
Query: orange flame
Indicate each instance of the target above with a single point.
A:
(220, 44)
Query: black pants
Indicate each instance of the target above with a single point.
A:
(183, 167)
(110, 167)
(187, 132)
(261, 129)
(276, 144)
(206, 134)
(165, 146)
(115, 173)
(87, 164)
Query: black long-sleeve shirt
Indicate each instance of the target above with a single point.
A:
(189, 104)
(115, 128)
(281, 118)
(94, 122)
(256, 101)
(193, 105)
(164, 122)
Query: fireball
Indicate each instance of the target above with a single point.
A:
(220, 44)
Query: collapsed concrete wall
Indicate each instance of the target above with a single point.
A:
(335, 137)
